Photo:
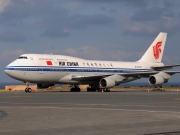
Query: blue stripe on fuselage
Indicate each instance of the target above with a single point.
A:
(74, 69)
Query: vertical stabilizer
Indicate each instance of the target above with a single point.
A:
(155, 51)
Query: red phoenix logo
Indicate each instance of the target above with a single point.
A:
(157, 50)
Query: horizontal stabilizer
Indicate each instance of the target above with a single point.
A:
(171, 72)
(164, 67)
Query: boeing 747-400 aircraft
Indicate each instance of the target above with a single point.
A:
(46, 70)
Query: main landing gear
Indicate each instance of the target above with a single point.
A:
(27, 89)
(106, 90)
(94, 88)
(75, 88)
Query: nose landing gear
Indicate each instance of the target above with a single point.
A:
(27, 89)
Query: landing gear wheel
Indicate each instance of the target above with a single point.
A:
(28, 90)
(91, 90)
(88, 89)
(107, 90)
(75, 89)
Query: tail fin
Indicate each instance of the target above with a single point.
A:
(155, 51)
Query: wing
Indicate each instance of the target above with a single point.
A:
(136, 75)
(171, 72)
(164, 67)
(90, 77)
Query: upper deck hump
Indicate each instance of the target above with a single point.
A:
(54, 57)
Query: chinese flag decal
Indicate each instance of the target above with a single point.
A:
(49, 63)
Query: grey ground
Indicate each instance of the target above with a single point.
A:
(90, 113)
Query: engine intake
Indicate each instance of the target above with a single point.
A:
(107, 83)
(157, 80)
(111, 81)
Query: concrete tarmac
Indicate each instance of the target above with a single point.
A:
(90, 113)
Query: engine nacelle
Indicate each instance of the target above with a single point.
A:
(157, 80)
(41, 86)
(107, 83)
(111, 81)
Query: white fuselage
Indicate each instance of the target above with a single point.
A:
(40, 68)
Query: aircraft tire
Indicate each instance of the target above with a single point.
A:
(107, 90)
(29, 90)
(75, 90)
(91, 90)
(88, 89)
(26, 90)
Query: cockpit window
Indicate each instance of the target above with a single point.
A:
(22, 57)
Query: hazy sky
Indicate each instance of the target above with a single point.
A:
(92, 29)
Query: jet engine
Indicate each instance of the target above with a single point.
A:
(41, 86)
(157, 80)
(107, 83)
(111, 81)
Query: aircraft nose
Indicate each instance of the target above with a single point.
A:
(9, 71)
(6, 70)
